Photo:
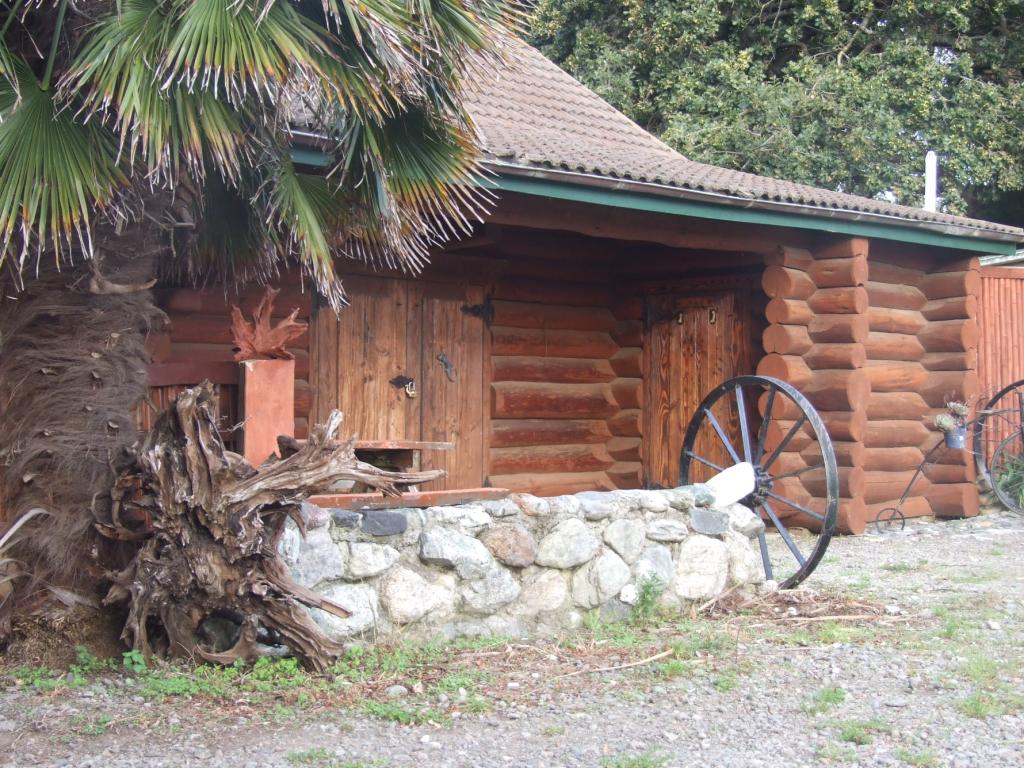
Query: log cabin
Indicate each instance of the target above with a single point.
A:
(565, 344)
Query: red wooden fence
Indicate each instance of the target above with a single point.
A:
(1001, 320)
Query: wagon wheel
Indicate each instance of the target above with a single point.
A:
(999, 444)
(797, 483)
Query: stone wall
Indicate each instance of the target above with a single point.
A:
(523, 565)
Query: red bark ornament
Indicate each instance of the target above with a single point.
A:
(259, 340)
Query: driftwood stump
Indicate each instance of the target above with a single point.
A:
(208, 526)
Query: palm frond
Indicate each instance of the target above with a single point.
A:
(56, 171)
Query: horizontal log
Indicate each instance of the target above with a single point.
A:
(625, 448)
(551, 343)
(628, 393)
(521, 314)
(839, 301)
(838, 390)
(889, 272)
(957, 457)
(628, 362)
(954, 500)
(851, 482)
(786, 339)
(301, 428)
(838, 328)
(848, 454)
(626, 424)
(628, 307)
(191, 373)
(553, 484)
(784, 256)
(421, 499)
(789, 368)
(849, 248)
(896, 405)
(303, 398)
(852, 516)
(943, 474)
(895, 434)
(887, 376)
(507, 433)
(949, 335)
(528, 400)
(593, 457)
(788, 311)
(844, 425)
(916, 505)
(837, 273)
(626, 475)
(546, 291)
(556, 370)
(952, 308)
(940, 386)
(951, 361)
(896, 459)
(888, 320)
(889, 486)
(787, 283)
(893, 346)
(778, 429)
(895, 296)
(837, 356)
(215, 302)
(941, 285)
(628, 333)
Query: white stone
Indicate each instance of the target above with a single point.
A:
(565, 506)
(290, 546)
(744, 521)
(319, 559)
(627, 537)
(532, 506)
(601, 506)
(360, 599)
(732, 484)
(467, 518)
(655, 562)
(745, 566)
(448, 547)
(653, 501)
(545, 589)
(407, 596)
(599, 580)
(629, 594)
(496, 588)
(571, 543)
(702, 569)
(501, 508)
(366, 559)
(666, 530)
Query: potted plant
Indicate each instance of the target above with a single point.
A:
(953, 424)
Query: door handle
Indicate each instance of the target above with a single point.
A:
(406, 384)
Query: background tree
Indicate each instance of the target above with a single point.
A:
(141, 138)
(845, 95)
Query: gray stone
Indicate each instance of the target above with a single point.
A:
(501, 508)
(565, 506)
(366, 559)
(468, 518)
(407, 596)
(702, 495)
(485, 595)
(745, 566)
(702, 569)
(511, 544)
(314, 516)
(655, 563)
(545, 589)
(530, 505)
(743, 521)
(615, 610)
(319, 559)
(682, 498)
(627, 538)
(601, 506)
(290, 546)
(653, 501)
(345, 518)
(710, 522)
(396, 691)
(666, 530)
(360, 599)
(569, 544)
(452, 549)
(384, 522)
(599, 580)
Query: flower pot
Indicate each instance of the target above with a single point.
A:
(956, 438)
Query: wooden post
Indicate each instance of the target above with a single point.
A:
(267, 406)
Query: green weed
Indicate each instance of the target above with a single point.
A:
(649, 589)
(917, 759)
(824, 700)
(726, 681)
(553, 730)
(861, 731)
(647, 759)
(404, 715)
(831, 632)
(671, 669)
(834, 753)
(991, 703)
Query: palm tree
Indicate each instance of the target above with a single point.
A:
(148, 138)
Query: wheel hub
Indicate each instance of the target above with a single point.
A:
(762, 485)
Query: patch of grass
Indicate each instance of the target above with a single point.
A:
(317, 756)
(399, 713)
(647, 759)
(917, 759)
(991, 703)
(553, 730)
(467, 679)
(41, 679)
(645, 608)
(726, 680)
(482, 642)
(861, 732)
(97, 726)
(835, 753)
(831, 632)
(614, 634)
(824, 700)
(997, 552)
(701, 638)
(360, 664)
(898, 567)
(981, 670)
(672, 669)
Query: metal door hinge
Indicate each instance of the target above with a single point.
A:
(484, 311)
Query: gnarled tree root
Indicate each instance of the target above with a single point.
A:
(209, 526)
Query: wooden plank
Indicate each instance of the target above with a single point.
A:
(508, 433)
(402, 445)
(552, 343)
(191, 373)
(409, 499)
(556, 370)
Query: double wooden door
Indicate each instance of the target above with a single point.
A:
(405, 361)
(692, 344)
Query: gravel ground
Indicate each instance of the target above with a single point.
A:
(934, 679)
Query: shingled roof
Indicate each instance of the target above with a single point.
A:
(535, 117)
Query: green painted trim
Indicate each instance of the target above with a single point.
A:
(619, 198)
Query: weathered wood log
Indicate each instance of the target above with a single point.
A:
(943, 285)
(788, 311)
(851, 482)
(839, 301)
(210, 525)
(896, 405)
(894, 434)
(943, 474)
(593, 457)
(786, 339)
(949, 335)
(916, 505)
(838, 390)
(895, 459)
(628, 333)
(626, 424)
(628, 308)
(887, 320)
(303, 400)
(835, 356)
(508, 433)
(628, 393)
(882, 486)
(552, 343)
(625, 448)
(852, 516)
(850, 248)
(784, 256)
(837, 273)
(193, 301)
(789, 368)
(787, 283)
(838, 328)
(521, 314)
(844, 425)
(554, 484)
(951, 361)
(848, 454)
(952, 385)
(542, 291)
(954, 500)
(893, 346)
(887, 376)
(626, 475)
(898, 274)
(529, 400)
(628, 362)
(556, 370)
(952, 308)
(895, 296)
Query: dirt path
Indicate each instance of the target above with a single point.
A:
(916, 660)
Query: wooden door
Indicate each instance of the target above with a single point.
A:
(692, 345)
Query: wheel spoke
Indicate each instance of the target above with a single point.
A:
(741, 409)
(784, 533)
(797, 507)
(762, 541)
(797, 426)
(762, 433)
(797, 472)
(721, 435)
(704, 461)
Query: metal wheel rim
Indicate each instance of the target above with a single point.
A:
(813, 419)
(980, 422)
(1008, 501)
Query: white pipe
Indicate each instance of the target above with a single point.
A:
(931, 181)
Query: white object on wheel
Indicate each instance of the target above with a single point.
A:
(733, 484)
